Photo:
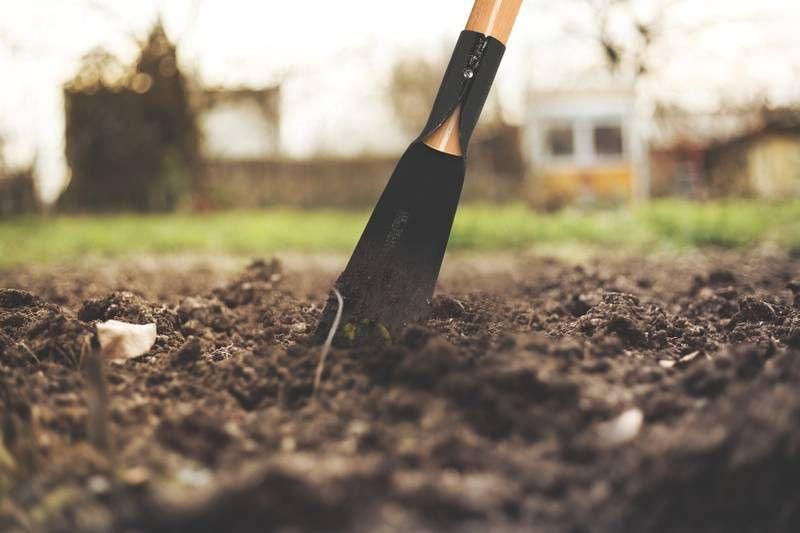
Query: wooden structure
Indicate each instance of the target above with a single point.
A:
(762, 163)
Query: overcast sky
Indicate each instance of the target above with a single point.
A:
(334, 57)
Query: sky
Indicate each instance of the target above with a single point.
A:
(333, 59)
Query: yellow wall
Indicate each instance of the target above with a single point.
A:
(601, 184)
(774, 167)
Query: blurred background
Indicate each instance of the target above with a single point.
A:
(244, 127)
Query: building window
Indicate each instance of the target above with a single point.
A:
(608, 141)
(560, 141)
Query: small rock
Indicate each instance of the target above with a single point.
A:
(620, 430)
(120, 340)
(194, 477)
(99, 484)
(686, 359)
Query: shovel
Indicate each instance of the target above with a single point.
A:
(390, 278)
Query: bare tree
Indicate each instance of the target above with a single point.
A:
(625, 35)
(632, 34)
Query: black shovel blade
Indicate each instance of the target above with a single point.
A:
(391, 276)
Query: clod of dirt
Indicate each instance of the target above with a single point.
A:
(715, 279)
(259, 279)
(424, 368)
(13, 298)
(706, 380)
(579, 304)
(128, 307)
(620, 314)
(199, 435)
(414, 337)
(749, 359)
(197, 315)
(720, 302)
(444, 307)
(792, 338)
(721, 277)
(190, 351)
(755, 310)
(33, 331)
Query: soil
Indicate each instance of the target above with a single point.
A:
(516, 407)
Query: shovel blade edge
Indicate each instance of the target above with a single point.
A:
(390, 278)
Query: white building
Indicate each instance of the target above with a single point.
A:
(586, 146)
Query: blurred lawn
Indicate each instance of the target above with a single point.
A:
(659, 225)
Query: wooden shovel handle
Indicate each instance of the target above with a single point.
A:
(494, 17)
(490, 17)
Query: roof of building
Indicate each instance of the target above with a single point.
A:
(769, 122)
(680, 129)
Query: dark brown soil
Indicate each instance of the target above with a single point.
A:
(486, 418)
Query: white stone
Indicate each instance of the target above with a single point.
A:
(120, 340)
(621, 429)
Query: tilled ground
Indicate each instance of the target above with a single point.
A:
(514, 408)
